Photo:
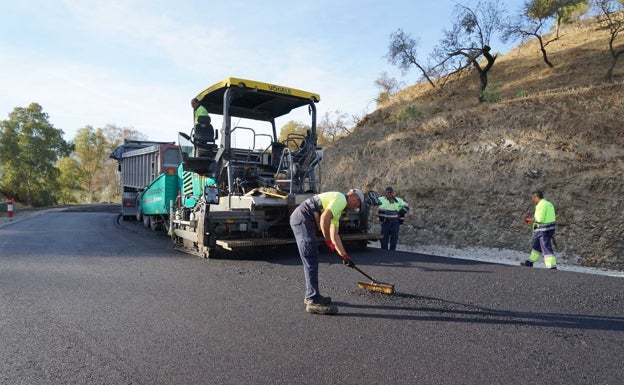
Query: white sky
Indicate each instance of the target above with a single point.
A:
(137, 63)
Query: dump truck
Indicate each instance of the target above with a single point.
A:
(236, 186)
(143, 165)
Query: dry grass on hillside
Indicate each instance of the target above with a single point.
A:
(468, 167)
(580, 56)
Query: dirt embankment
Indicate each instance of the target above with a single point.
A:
(468, 175)
(467, 169)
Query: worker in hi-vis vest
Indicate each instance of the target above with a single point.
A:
(391, 214)
(321, 212)
(198, 110)
(543, 222)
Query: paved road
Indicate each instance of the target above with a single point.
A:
(85, 300)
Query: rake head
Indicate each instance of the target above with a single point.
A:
(378, 287)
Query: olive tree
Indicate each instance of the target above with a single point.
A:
(611, 18)
(536, 16)
(402, 53)
(467, 43)
(387, 85)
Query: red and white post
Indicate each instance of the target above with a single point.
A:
(10, 208)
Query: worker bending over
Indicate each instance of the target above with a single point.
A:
(321, 211)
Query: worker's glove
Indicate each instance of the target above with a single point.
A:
(331, 245)
(347, 261)
(528, 219)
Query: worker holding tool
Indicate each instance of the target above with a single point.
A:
(321, 211)
(391, 214)
(543, 221)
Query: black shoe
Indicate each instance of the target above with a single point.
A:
(319, 301)
(553, 268)
(314, 308)
(526, 263)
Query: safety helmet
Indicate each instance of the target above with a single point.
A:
(360, 195)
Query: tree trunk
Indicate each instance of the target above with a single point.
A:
(484, 82)
(544, 54)
(484, 71)
(425, 75)
(614, 59)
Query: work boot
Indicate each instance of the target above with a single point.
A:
(526, 263)
(315, 308)
(320, 300)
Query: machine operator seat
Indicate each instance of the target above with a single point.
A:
(204, 137)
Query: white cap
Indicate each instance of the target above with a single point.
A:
(360, 195)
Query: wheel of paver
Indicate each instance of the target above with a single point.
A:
(146, 220)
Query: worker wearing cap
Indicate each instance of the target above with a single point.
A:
(543, 221)
(391, 213)
(321, 211)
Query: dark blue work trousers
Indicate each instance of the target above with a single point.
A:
(542, 242)
(390, 233)
(303, 225)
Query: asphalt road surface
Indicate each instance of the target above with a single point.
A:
(85, 299)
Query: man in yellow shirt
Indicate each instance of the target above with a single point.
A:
(198, 109)
(543, 221)
(321, 211)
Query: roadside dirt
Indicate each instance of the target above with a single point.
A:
(467, 169)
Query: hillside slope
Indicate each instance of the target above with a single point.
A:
(467, 169)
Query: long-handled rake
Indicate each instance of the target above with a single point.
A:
(374, 285)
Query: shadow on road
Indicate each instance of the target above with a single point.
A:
(440, 310)
(288, 255)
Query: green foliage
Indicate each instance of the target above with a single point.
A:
(92, 150)
(573, 11)
(333, 125)
(69, 180)
(293, 127)
(522, 93)
(29, 149)
(409, 112)
(89, 174)
(406, 112)
(540, 9)
(492, 93)
(564, 11)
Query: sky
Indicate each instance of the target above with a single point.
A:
(137, 64)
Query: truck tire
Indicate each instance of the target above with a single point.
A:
(139, 214)
(146, 220)
(154, 222)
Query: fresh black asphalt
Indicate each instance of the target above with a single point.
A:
(88, 299)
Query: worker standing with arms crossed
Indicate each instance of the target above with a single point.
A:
(543, 221)
(391, 214)
(321, 211)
